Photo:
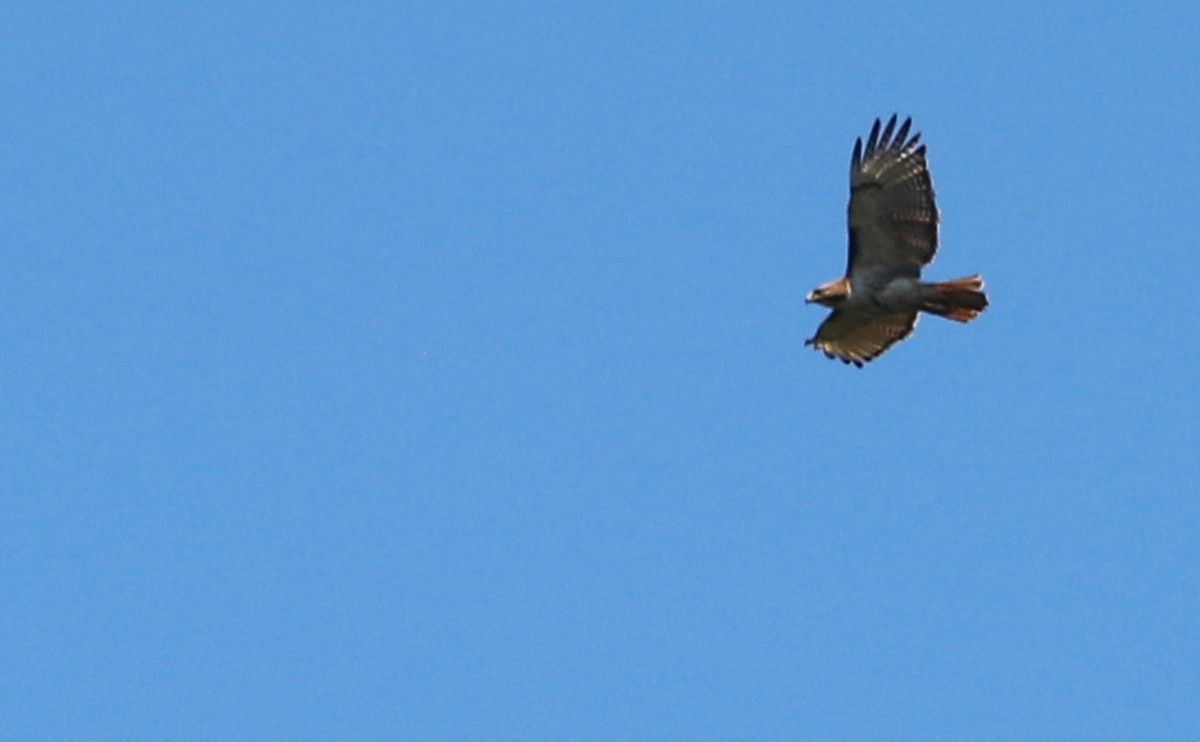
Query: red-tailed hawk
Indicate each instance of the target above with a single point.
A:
(893, 234)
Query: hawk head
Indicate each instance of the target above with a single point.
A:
(832, 294)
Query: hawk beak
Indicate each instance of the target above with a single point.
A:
(809, 299)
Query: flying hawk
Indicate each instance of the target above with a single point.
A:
(893, 234)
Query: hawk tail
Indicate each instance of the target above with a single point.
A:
(961, 299)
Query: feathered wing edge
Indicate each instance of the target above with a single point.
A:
(878, 141)
(855, 338)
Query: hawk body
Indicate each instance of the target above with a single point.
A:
(893, 229)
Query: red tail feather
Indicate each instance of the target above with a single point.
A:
(961, 299)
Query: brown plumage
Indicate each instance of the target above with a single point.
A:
(893, 226)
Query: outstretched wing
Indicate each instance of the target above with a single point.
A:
(856, 337)
(892, 215)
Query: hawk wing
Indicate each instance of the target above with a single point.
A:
(892, 216)
(857, 337)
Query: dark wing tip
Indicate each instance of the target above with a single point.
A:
(856, 158)
(886, 138)
(903, 133)
(873, 138)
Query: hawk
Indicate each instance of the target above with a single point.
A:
(893, 225)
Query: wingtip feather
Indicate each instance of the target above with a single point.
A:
(873, 138)
(885, 139)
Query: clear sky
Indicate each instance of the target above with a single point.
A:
(435, 371)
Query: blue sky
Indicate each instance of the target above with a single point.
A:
(436, 371)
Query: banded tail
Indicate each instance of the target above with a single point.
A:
(961, 299)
